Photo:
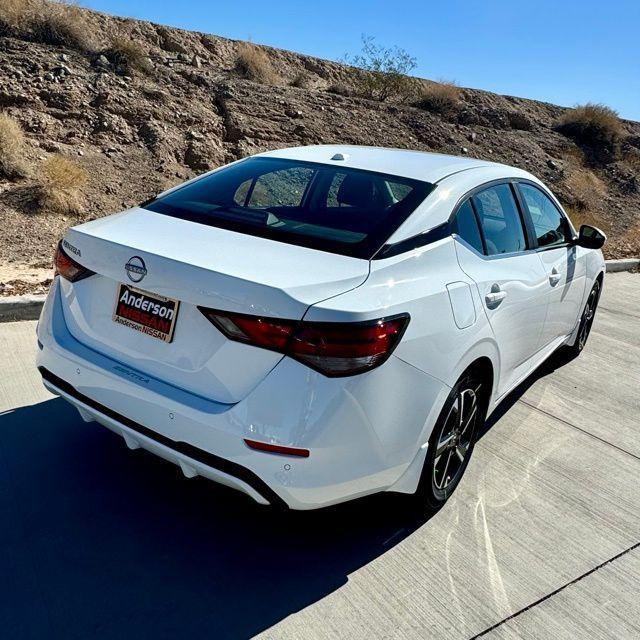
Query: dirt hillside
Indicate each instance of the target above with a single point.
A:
(174, 104)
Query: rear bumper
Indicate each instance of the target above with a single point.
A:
(364, 433)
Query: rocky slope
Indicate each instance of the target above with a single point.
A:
(138, 132)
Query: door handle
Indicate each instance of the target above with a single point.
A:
(555, 277)
(495, 296)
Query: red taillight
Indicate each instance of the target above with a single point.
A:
(68, 268)
(333, 348)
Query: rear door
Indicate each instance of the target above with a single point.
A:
(493, 249)
(563, 261)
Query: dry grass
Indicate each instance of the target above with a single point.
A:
(440, 97)
(59, 184)
(254, 64)
(14, 16)
(632, 236)
(632, 159)
(592, 124)
(579, 217)
(574, 156)
(586, 188)
(127, 54)
(301, 80)
(58, 23)
(12, 162)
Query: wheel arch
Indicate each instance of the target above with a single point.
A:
(483, 357)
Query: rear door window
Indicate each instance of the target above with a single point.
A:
(500, 220)
(466, 226)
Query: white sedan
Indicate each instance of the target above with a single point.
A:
(314, 324)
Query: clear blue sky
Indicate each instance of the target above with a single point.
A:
(562, 51)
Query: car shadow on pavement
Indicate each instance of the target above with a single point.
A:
(557, 360)
(99, 541)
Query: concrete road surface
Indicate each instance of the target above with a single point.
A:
(541, 540)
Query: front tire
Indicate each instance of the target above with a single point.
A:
(452, 441)
(586, 322)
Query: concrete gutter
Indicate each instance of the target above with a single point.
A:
(25, 307)
(28, 307)
(629, 264)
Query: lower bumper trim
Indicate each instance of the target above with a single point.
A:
(204, 457)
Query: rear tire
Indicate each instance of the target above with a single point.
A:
(452, 441)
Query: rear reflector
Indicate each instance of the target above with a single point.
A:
(68, 268)
(332, 348)
(276, 448)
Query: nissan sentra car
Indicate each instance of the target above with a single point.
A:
(315, 324)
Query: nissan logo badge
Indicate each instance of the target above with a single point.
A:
(136, 269)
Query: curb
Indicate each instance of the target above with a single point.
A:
(25, 307)
(28, 307)
(613, 266)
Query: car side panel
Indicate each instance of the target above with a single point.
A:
(416, 282)
(566, 295)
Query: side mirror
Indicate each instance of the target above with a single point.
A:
(591, 237)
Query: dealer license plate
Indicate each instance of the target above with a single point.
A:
(146, 312)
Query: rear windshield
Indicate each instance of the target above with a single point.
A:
(325, 207)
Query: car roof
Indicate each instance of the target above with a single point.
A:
(419, 165)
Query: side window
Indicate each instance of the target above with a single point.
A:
(549, 224)
(500, 220)
(283, 188)
(466, 226)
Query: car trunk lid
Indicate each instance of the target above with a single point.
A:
(197, 265)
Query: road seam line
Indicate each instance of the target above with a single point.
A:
(555, 592)
(569, 424)
(616, 311)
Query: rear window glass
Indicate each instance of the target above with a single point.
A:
(335, 209)
(500, 220)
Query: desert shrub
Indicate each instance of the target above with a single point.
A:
(381, 73)
(594, 125)
(127, 54)
(254, 64)
(440, 97)
(340, 89)
(301, 80)
(14, 17)
(12, 162)
(586, 189)
(58, 23)
(59, 184)
(519, 121)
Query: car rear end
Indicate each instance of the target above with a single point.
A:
(190, 340)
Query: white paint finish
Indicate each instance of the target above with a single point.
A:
(419, 165)
(461, 299)
(359, 443)
(439, 204)
(210, 266)
(566, 271)
(513, 290)
(364, 432)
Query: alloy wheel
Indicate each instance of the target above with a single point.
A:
(587, 318)
(455, 439)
